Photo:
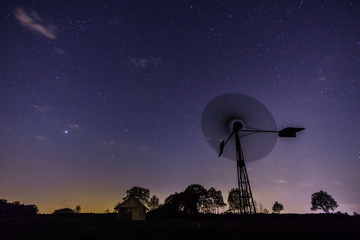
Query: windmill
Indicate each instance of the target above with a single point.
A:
(247, 122)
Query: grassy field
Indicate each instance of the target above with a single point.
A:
(102, 226)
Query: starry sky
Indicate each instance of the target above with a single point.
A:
(97, 97)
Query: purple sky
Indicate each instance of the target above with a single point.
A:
(98, 97)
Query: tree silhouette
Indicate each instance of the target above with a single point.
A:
(153, 202)
(277, 207)
(174, 203)
(215, 200)
(195, 199)
(323, 201)
(142, 194)
(234, 201)
(78, 209)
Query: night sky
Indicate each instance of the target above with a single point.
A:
(97, 97)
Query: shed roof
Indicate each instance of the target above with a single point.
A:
(132, 202)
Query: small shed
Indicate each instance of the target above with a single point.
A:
(132, 209)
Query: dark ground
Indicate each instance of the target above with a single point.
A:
(105, 226)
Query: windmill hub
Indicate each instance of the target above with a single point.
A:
(220, 115)
(236, 125)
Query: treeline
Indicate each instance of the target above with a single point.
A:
(194, 199)
(197, 199)
(16, 209)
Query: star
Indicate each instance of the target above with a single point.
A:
(138, 97)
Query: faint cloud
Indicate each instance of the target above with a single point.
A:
(39, 137)
(108, 142)
(145, 62)
(74, 126)
(33, 22)
(282, 181)
(40, 108)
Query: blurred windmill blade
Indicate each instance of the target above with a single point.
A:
(224, 111)
(222, 144)
(289, 132)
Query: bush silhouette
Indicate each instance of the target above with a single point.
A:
(64, 211)
(16, 209)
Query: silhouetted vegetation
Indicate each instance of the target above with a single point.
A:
(64, 211)
(234, 201)
(141, 194)
(16, 209)
(215, 200)
(77, 209)
(188, 214)
(195, 199)
(323, 201)
(153, 202)
(277, 207)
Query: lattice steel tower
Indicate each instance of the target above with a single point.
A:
(247, 205)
